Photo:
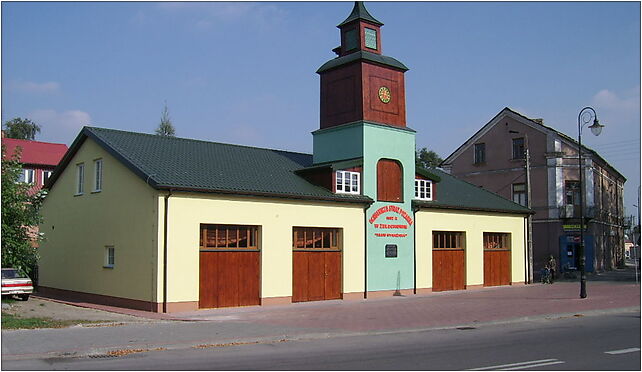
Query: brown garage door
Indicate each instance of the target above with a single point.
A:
(229, 269)
(316, 264)
(496, 259)
(448, 261)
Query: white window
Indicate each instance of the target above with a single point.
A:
(80, 178)
(109, 256)
(348, 182)
(423, 189)
(27, 176)
(45, 176)
(98, 175)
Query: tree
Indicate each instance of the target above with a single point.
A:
(165, 128)
(427, 158)
(20, 213)
(20, 128)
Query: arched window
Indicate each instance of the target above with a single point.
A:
(389, 181)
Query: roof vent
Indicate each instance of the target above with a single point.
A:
(539, 121)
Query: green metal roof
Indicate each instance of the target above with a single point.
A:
(362, 55)
(360, 12)
(193, 165)
(180, 164)
(453, 193)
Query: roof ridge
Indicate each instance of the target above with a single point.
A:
(197, 140)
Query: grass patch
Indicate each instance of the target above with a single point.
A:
(10, 321)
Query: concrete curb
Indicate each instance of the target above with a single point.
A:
(114, 351)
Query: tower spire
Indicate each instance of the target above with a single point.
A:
(360, 12)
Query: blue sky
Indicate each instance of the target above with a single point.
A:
(245, 72)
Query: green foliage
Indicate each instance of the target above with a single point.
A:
(20, 212)
(20, 128)
(10, 321)
(165, 128)
(427, 159)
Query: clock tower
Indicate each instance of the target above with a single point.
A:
(362, 83)
(363, 138)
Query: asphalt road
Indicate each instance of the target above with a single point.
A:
(600, 342)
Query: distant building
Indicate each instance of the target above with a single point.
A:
(494, 158)
(38, 159)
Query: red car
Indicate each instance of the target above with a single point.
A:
(13, 283)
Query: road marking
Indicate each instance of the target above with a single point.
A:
(623, 351)
(520, 365)
(534, 365)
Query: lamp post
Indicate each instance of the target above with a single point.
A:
(583, 118)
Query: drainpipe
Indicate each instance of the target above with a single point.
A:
(414, 249)
(365, 251)
(165, 251)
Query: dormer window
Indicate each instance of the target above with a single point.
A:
(348, 182)
(423, 189)
(370, 38)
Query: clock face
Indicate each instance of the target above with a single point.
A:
(384, 94)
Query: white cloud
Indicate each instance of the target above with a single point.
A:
(211, 13)
(31, 87)
(59, 127)
(610, 100)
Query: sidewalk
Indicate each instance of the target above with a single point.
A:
(207, 328)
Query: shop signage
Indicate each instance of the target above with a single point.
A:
(575, 227)
(394, 225)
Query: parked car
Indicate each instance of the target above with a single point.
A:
(16, 283)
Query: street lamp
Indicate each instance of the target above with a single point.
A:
(583, 118)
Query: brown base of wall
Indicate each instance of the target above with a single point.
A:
(401, 292)
(175, 307)
(517, 283)
(421, 291)
(353, 296)
(271, 301)
(476, 286)
(74, 296)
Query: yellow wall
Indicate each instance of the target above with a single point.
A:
(77, 229)
(276, 219)
(474, 224)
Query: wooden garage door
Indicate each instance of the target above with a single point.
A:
(448, 261)
(229, 268)
(496, 259)
(316, 264)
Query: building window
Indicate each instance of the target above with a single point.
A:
(480, 153)
(389, 181)
(27, 176)
(45, 176)
(423, 189)
(80, 178)
(226, 237)
(307, 238)
(496, 241)
(519, 194)
(347, 182)
(351, 39)
(518, 148)
(109, 257)
(572, 192)
(371, 38)
(448, 239)
(98, 175)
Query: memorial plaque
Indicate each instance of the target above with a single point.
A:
(391, 250)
